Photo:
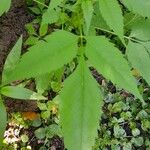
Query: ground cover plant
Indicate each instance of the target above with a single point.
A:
(76, 43)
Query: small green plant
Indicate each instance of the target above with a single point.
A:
(92, 34)
(120, 127)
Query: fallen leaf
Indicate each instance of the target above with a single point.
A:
(30, 115)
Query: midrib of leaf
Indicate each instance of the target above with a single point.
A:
(83, 102)
(82, 112)
(84, 130)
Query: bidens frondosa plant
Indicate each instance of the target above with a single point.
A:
(86, 37)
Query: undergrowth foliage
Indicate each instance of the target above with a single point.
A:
(81, 99)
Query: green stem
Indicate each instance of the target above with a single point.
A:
(129, 38)
(81, 35)
(40, 3)
(63, 11)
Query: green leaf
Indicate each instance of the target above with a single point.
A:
(50, 16)
(135, 132)
(80, 109)
(35, 10)
(5, 5)
(118, 107)
(97, 19)
(115, 147)
(139, 59)
(20, 93)
(138, 141)
(43, 148)
(24, 138)
(138, 6)
(36, 123)
(145, 124)
(3, 118)
(139, 53)
(42, 106)
(30, 29)
(12, 59)
(42, 82)
(141, 31)
(127, 146)
(87, 8)
(119, 131)
(130, 19)
(53, 130)
(43, 29)
(60, 48)
(109, 61)
(56, 86)
(32, 40)
(45, 114)
(40, 133)
(55, 3)
(112, 14)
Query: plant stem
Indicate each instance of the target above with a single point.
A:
(40, 3)
(63, 11)
(129, 38)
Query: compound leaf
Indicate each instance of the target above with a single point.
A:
(112, 14)
(109, 61)
(58, 49)
(80, 109)
(139, 59)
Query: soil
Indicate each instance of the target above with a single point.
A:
(12, 25)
